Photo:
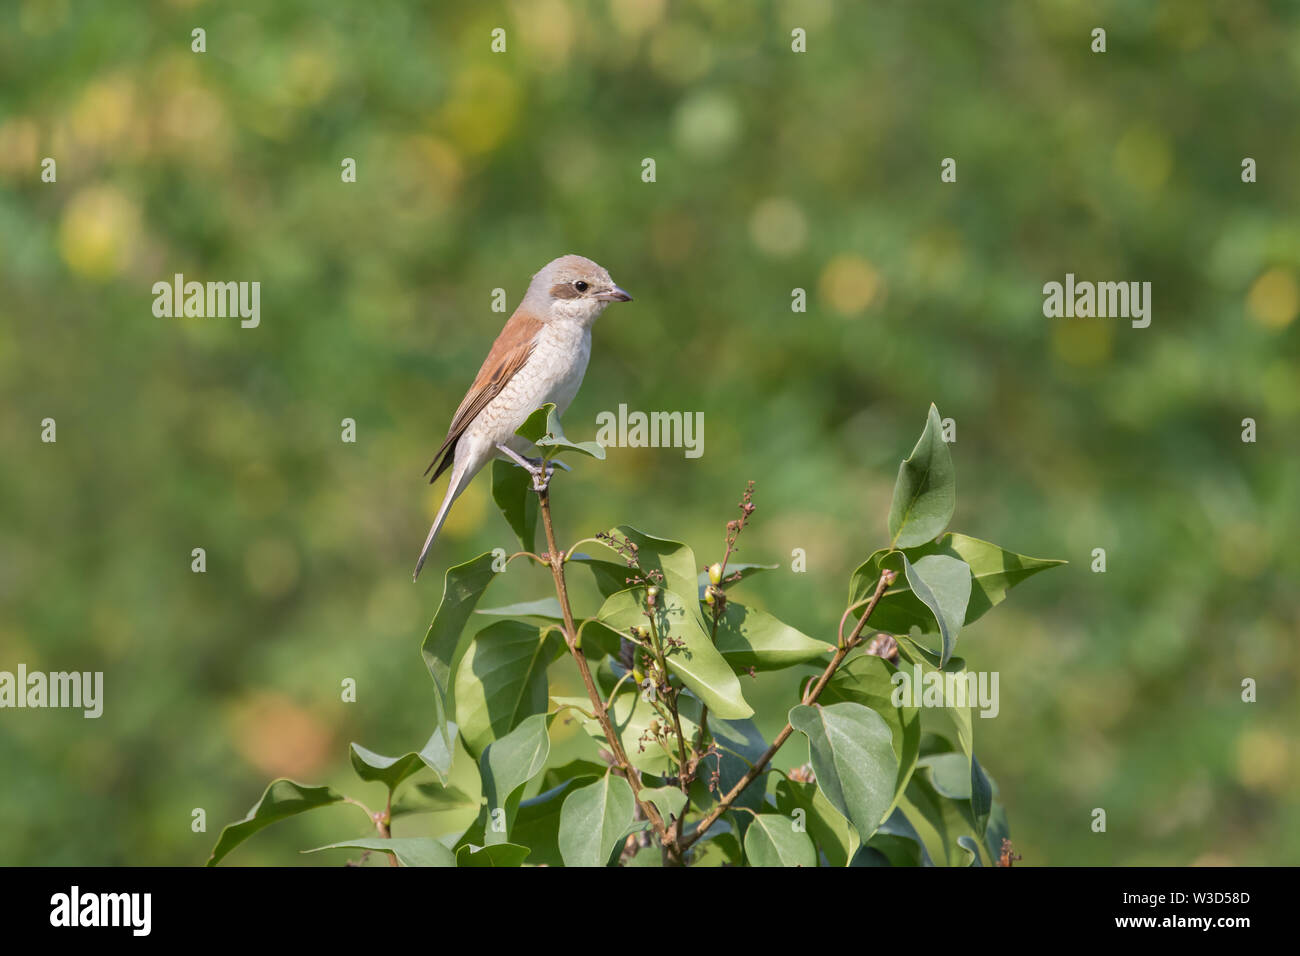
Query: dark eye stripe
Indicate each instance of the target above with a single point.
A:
(564, 290)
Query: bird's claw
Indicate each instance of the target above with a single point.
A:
(541, 469)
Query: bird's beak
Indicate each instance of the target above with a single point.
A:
(614, 295)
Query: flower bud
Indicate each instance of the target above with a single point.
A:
(715, 573)
(709, 598)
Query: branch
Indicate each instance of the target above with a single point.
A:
(809, 697)
(555, 557)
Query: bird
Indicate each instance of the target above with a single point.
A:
(540, 356)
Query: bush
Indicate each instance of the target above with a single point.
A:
(677, 772)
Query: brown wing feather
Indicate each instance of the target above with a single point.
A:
(509, 353)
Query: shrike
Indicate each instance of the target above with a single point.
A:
(539, 357)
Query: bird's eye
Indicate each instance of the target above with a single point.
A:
(580, 286)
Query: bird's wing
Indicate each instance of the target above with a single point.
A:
(509, 353)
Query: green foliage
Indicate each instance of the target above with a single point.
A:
(925, 494)
(283, 798)
(542, 428)
(853, 757)
(409, 851)
(672, 769)
(594, 819)
(772, 840)
(774, 173)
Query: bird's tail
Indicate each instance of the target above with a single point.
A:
(460, 477)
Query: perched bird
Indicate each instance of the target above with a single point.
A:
(539, 357)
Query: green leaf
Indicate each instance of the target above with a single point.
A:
(981, 801)
(998, 828)
(940, 821)
(610, 577)
(502, 679)
(647, 856)
(748, 637)
(410, 851)
(674, 560)
(512, 490)
(391, 771)
(443, 644)
(597, 640)
(543, 429)
(827, 826)
(434, 798)
(950, 721)
(496, 854)
(925, 493)
(537, 824)
(943, 585)
(869, 680)
(962, 779)
(506, 765)
(971, 846)
(993, 570)
(772, 840)
(698, 663)
(667, 800)
(594, 819)
(631, 718)
(545, 609)
(745, 571)
(575, 769)
(283, 798)
(949, 775)
(993, 573)
(853, 757)
(898, 841)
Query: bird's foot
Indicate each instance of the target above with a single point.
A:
(539, 468)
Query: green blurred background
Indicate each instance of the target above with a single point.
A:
(775, 170)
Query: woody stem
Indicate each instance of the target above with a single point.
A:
(555, 558)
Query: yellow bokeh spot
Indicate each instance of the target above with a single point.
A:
(849, 284)
(680, 54)
(633, 17)
(1083, 342)
(310, 76)
(778, 227)
(98, 232)
(18, 144)
(548, 24)
(1274, 299)
(1142, 157)
(1262, 760)
(42, 17)
(467, 513)
(105, 111)
(482, 109)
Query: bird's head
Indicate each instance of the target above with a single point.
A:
(572, 287)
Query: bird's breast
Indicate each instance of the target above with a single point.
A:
(552, 373)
